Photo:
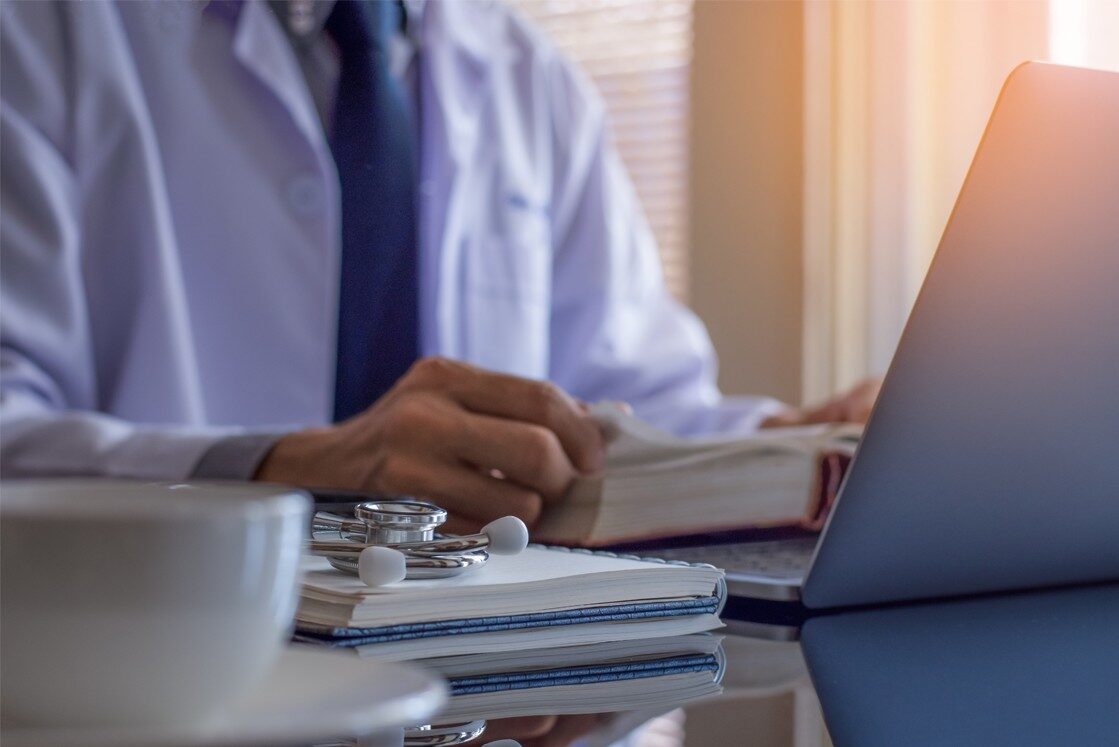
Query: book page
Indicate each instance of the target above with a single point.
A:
(633, 441)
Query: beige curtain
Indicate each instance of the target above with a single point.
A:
(896, 98)
(638, 53)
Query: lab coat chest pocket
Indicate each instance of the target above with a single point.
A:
(508, 273)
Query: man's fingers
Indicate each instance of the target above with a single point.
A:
(522, 727)
(569, 729)
(538, 402)
(469, 496)
(830, 412)
(785, 418)
(863, 398)
(525, 453)
(853, 406)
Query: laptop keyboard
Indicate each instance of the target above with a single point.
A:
(776, 559)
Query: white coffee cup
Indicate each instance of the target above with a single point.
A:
(127, 603)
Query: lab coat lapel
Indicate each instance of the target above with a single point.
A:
(259, 43)
(455, 66)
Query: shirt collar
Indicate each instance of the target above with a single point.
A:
(413, 15)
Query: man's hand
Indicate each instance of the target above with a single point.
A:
(548, 731)
(480, 444)
(853, 406)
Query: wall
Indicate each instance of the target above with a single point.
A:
(746, 189)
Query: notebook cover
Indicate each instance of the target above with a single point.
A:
(350, 637)
(584, 675)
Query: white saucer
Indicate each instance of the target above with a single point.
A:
(312, 694)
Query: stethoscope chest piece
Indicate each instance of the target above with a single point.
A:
(391, 540)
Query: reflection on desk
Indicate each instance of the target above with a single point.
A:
(1028, 669)
(1024, 669)
(596, 693)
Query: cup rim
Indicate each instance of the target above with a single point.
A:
(73, 499)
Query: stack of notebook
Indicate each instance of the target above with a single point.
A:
(542, 598)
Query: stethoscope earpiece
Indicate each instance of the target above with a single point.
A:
(379, 566)
(389, 541)
(508, 535)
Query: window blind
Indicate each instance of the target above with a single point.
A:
(638, 53)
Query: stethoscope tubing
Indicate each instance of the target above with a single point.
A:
(406, 527)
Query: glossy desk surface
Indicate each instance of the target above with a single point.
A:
(1036, 668)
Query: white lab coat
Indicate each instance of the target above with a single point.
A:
(171, 239)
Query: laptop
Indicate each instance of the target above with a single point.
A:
(991, 460)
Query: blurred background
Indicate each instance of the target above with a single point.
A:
(798, 159)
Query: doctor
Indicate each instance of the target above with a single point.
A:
(334, 244)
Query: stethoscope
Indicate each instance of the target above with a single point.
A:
(390, 540)
(425, 736)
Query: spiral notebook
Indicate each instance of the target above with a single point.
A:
(542, 598)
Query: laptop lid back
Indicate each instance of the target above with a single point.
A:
(991, 461)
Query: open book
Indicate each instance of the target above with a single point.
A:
(658, 485)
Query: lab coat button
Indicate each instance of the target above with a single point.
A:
(305, 195)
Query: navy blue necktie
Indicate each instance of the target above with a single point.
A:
(373, 142)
